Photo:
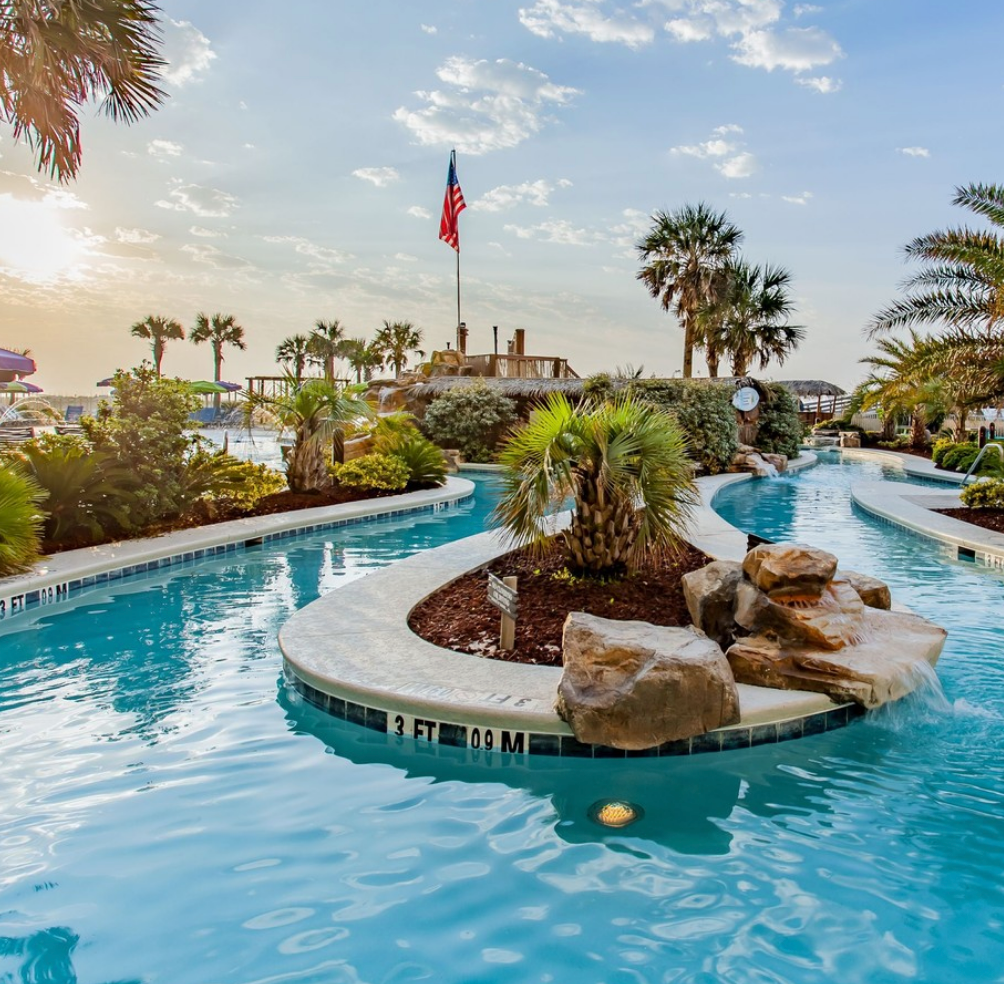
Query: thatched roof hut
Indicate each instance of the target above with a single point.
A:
(517, 389)
(812, 387)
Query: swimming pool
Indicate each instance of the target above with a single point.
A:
(169, 813)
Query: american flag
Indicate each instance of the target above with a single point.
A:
(453, 205)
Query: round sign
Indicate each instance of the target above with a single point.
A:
(745, 399)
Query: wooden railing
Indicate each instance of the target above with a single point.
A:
(521, 367)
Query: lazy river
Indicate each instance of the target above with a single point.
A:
(169, 812)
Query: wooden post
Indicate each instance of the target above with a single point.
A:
(507, 630)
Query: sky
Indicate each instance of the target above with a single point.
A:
(297, 171)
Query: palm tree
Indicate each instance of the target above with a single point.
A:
(963, 284)
(314, 410)
(158, 330)
(326, 345)
(361, 357)
(294, 351)
(684, 255)
(220, 330)
(750, 321)
(395, 341)
(622, 462)
(56, 56)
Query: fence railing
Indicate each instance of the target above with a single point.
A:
(521, 367)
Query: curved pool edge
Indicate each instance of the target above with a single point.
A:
(352, 654)
(62, 575)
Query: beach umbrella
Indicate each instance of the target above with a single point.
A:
(206, 386)
(15, 362)
(19, 386)
(110, 381)
(230, 387)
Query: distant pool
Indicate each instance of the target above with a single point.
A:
(169, 813)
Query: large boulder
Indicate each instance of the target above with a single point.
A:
(873, 592)
(789, 569)
(633, 685)
(892, 658)
(710, 594)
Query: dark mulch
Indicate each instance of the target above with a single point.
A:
(459, 617)
(989, 519)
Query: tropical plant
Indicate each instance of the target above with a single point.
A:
(470, 418)
(158, 330)
(362, 357)
(685, 256)
(705, 413)
(395, 341)
(326, 342)
(779, 429)
(56, 56)
(380, 472)
(20, 519)
(292, 353)
(984, 495)
(216, 479)
(219, 330)
(624, 465)
(314, 411)
(397, 435)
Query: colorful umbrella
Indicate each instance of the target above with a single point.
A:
(206, 386)
(230, 387)
(15, 362)
(110, 381)
(19, 386)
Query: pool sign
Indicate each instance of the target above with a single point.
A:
(502, 596)
(745, 398)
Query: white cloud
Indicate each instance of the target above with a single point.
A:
(206, 233)
(419, 213)
(795, 49)
(406, 257)
(500, 248)
(739, 194)
(325, 255)
(914, 151)
(380, 176)
(800, 9)
(728, 156)
(164, 149)
(740, 166)
(490, 105)
(208, 203)
(58, 198)
(211, 256)
(187, 52)
(429, 29)
(802, 199)
(554, 231)
(821, 83)
(547, 18)
(504, 197)
(703, 19)
(691, 29)
(135, 236)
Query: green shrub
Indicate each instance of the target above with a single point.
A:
(941, 448)
(960, 457)
(372, 471)
(705, 413)
(469, 418)
(217, 478)
(984, 495)
(779, 429)
(20, 520)
(396, 434)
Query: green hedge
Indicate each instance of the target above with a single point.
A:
(779, 430)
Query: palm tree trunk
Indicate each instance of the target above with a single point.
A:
(603, 531)
(711, 354)
(688, 350)
(918, 429)
(158, 357)
(961, 416)
(217, 369)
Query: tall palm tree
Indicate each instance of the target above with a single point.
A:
(623, 463)
(219, 330)
(56, 56)
(395, 341)
(684, 255)
(749, 323)
(314, 410)
(294, 351)
(362, 357)
(325, 345)
(158, 330)
(962, 286)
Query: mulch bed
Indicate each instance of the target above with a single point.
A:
(988, 519)
(459, 617)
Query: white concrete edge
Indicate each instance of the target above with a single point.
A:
(910, 464)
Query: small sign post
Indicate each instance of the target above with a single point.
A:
(502, 594)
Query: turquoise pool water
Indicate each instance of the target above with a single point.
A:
(169, 813)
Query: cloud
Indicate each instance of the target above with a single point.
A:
(135, 236)
(800, 9)
(209, 203)
(419, 213)
(500, 248)
(822, 83)
(187, 52)
(206, 233)
(728, 156)
(796, 49)
(802, 199)
(548, 18)
(211, 256)
(325, 255)
(505, 197)
(406, 257)
(489, 105)
(380, 176)
(914, 151)
(429, 29)
(704, 19)
(554, 231)
(164, 149)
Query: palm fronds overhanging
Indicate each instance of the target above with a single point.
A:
(622, 463)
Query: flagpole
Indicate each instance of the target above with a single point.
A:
(458, 297)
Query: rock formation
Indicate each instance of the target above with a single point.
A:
(749, 459)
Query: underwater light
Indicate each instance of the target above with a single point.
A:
(615, 813)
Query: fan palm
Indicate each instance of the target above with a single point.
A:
(158, 330)
(20, 519)
(326, 345)
(362, 358)
(294, 351)
(684, 255)
(623, 463)
(56, 56)
(395, 341)
(219, 330)
(314, 410)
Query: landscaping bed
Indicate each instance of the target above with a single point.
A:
(988, 519)
(459, 616)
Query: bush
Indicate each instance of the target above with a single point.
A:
(705, 413)
(984, 495)
(953, 459)
(470, 418)
(396, 434)
(372, 471)
(779, 430)
(20, 520)
(941, 448)
(215, 478)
